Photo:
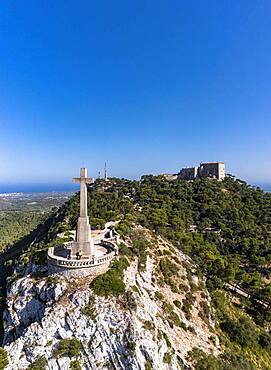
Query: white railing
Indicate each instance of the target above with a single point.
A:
(83, 263)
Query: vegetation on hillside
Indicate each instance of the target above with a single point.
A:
(16, 224)
(111, 283)
(39, 364)
(67, 347)
(3, 359)
(225, 227)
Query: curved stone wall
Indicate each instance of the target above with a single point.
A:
(78, 272)
(81, 268)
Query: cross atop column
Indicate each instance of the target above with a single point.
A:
(83, 180)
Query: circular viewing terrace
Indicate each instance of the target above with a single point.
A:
(59, 261)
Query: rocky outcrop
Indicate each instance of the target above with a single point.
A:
(128, 332)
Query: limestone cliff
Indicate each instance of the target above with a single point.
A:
(146, 328)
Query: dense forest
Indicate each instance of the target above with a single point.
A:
(16, 224)
(225, 227)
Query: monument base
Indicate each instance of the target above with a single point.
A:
(87, 249)
(80, 271)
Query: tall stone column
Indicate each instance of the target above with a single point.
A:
(84, 242)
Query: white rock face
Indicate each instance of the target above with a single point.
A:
(41, 312)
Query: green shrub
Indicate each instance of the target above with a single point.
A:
(177, 303)
(201, 361)
(39, 364)
(131, 346)
(167, 358)
(172, 285)
(172, 316)
(204, 312)
(140, 247)
(167, 307)
(212, 339)
(148, 365)
(226, 361)
(242, 331)
(183, 288)
(186, 307)
(219, 301)
(159, 296)
(168, 268)
(111, 283)
(89, 309)
(3, 358)
(167, 340)
(175, 319)
(75, 365)
(176, 259)
(189, 297)
(123, 228)
(193, 288)
(192, 330)
(51, 280)
(129, 301)
(125, 250)
(135, 289)
(265, 340)
(67, 347)
(148, 325)
(183, 326)
(230, 361)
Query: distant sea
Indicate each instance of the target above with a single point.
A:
(264, 187)
(37, 188)
(58, 187)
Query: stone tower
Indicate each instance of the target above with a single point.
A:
(84, 241)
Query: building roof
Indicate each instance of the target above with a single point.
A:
(212, 163)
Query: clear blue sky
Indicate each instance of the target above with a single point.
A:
(148, 86)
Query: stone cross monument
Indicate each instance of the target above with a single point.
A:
(84, 242)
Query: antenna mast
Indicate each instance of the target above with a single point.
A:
(105, 172)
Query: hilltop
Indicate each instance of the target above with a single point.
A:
(183, 245)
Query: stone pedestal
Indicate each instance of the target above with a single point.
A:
(84, 241)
